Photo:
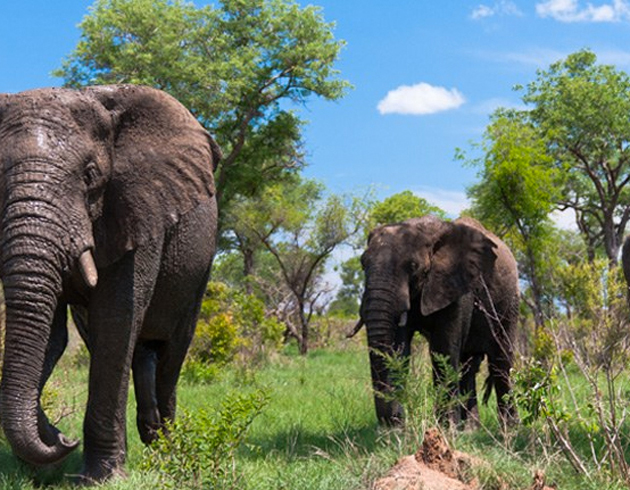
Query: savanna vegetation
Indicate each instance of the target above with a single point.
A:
(273, 396)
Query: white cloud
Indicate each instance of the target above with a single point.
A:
(502, 7)
(573, 11)
(482, 12)
(420, 99)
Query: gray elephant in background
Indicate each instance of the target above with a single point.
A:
(455, 283)
(107, 205)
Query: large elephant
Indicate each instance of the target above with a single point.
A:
(107, 205)
(455, 283)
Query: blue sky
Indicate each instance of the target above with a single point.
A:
(426, 75)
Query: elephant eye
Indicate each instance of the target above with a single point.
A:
(92, 173)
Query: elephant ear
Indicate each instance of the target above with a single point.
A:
(163, 162)
(461, 255)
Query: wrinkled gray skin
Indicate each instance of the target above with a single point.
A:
(107, 205)
(456, 284)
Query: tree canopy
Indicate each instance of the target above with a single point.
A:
(299, 225)
(580, 109)
(234, 65)
(399, 207)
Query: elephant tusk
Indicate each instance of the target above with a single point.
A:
(88, 269)
(403, 319)
(356, 329)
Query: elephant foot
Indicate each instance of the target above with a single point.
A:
(470, 424)
(149, 426)
(97, 470)
(96, 476)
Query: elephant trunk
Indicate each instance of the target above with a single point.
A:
(385, 347)
(31, 274)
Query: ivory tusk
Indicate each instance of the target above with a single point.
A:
(88, 269)
(356, 329)
(403, 319)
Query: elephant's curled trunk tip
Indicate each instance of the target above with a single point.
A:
(30, 448)
(88, 269)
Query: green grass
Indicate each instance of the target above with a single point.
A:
(317, 432)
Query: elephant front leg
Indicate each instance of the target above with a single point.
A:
(115, 316)
(445, 344)
(468, 390)
(445, 380)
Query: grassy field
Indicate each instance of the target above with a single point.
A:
(318, 430)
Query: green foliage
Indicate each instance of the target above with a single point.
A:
(595, 297)
(576, 385)
(299, 226)
(198, 450)
(536, 392)
(231, 323)
(234, 64)
(399, 207)
(518, 188)
(346, 302)
(580, 109)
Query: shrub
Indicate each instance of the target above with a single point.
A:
(197, 451)
(231, 323)
(577, 387)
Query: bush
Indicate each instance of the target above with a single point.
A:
(197, 451)
(231, 323)
(576, 391)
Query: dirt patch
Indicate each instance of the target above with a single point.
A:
(437, 467)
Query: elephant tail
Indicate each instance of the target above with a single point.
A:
(487, 389)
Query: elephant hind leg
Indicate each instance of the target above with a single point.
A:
(144, 366)
(169, 366)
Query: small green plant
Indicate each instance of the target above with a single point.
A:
(197, 371)
(198, 450)
(536, 392)
(232, 324)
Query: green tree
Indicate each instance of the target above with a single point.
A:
(400, 207)
(234, 65)
(580, 109)
(517, 190)
(300, 227)
(346, 302)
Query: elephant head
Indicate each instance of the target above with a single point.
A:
(85, 176)
(412, 270)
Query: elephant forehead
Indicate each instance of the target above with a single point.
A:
(387, 238)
